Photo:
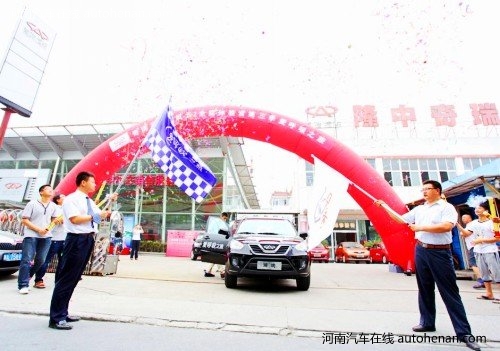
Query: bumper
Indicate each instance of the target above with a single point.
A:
(354, 259)
(247, 266)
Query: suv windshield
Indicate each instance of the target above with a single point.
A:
(279, 227)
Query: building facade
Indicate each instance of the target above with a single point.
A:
(412, 145)
(34, 156)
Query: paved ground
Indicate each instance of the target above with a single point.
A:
(166, 291)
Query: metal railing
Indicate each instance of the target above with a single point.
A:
(10, 221)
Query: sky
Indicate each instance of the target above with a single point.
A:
(121, 61)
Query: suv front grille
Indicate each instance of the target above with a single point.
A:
(8, 246)
(257, 249)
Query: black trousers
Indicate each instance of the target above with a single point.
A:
(134, 250)
(76, 253)
(435, 267)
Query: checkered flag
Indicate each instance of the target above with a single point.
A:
(179, 162)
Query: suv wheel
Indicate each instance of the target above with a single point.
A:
(231, 281)
(9, 272)
(193, 256)
(303, 283)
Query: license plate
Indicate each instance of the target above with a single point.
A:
(361, 256)
(12, 256)
(317, 255)
(269, 265)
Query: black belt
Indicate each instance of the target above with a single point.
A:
(432, 246)
(81, 233)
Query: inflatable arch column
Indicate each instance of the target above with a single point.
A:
(275, 129)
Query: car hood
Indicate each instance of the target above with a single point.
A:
(318, 250)
(10, 238)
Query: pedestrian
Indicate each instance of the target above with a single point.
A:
(469, 244)
(485, 248)
(118, 243)
(217, 226)
(56, 245)
(81, 217)
(36, 218)
(137, 231)
(432, 223)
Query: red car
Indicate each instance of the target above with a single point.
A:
(378, 253)
(350, 251)
(319, 253)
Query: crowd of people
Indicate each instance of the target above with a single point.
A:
(432, 222)
(66, 227)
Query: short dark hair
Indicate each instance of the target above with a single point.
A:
(42, 188)
(83, 176)
(435, 184)
(485, 205)
(56, 198)
(224, 214)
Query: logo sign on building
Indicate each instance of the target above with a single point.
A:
(22, 69)
(13, 189)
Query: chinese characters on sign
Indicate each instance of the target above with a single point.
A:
(485, 114)
(444, 115)
(143, 180)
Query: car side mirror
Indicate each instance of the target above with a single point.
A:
(303, 235)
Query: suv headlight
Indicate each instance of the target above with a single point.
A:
(302, 246)
(236, 245)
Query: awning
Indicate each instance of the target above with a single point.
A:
(487, 175)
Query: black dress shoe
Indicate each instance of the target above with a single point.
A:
(470, 343)
(70, 319)
(420, 329)
(61, 325)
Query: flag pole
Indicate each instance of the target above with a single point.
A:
(396, 216)
(108, 199)
(127, 171)
(364, 191)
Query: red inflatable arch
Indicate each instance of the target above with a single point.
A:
(275, 129)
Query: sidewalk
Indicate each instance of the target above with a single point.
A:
(170, 291)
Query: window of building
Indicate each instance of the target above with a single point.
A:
(309, 174)
(27, 164)
(279, 201)
(371, 161)
(7, 164)
(177, 221)
(412, 172)
(151, 224)
(471, 163)
(67, 165)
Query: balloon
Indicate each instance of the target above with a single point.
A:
(279, 130)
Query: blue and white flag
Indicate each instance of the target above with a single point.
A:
(179, 162)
